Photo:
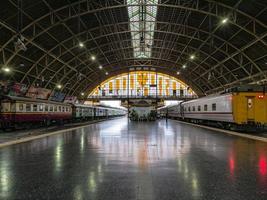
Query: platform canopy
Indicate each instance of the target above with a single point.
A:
(210, 45)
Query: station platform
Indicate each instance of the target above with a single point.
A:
(124, 160)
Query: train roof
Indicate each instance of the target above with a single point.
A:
(28, 99)
(208, 97)
(246, 88)
(92, 106)
(83, 105)
(109, 107)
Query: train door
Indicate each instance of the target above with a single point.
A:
(181, 111)
(250, 109)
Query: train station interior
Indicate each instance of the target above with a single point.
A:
(133, 99)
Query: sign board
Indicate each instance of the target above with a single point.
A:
(12, 88)
(70, 99)
(38, 93)
(57, 96)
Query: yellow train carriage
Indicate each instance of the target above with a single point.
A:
(249, 108)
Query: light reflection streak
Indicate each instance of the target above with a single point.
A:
(231, 163)
(262, 165)
(189, 175)
(78, 195)
(58, 156)
(141, 151)
(92, 182)
(5, 175)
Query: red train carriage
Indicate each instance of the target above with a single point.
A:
(19, 111)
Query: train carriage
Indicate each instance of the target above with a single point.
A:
(83, 112)
(19, 111)
(215, 108)
(246, 110)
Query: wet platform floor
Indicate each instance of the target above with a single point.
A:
(136, 160)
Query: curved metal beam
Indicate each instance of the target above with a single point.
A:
(162, 32)
(173, 63)
(218, 65)
(196, 89)
(78, 84)
(217, 49)
(164, 5)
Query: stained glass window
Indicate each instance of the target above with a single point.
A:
(143, 83)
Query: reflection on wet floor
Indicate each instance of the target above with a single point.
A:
(128, 160)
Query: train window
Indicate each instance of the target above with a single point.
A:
(55, 108)
(194, 108)
(34, 107)
(213, 106)
(59, 108)
(184, 108)
(28, 107)
(63, 109)
(46, 108)
(199, 108)
(13, 107)
(41, 107)
(205, 107)
(189, 109)
(50, 108)
(20, 106)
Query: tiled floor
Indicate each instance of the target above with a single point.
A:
(136, 160)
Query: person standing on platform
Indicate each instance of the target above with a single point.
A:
(167, 115)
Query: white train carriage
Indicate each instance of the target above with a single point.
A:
(83, 112)
(174, 111)
(213, 108)
(101, 112)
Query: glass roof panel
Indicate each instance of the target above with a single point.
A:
(142, 15)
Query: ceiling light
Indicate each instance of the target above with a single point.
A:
(100, 67)
(93, 58)
(82, 94)
(192, 57)
(59, 86)
(178, 73)
(224, 21)
(6, 69)
(184, 66)
(81, 44)
(106, 73)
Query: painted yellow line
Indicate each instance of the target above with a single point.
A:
(243, 135)
(30, 138)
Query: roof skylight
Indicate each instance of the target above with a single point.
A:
(142, 15)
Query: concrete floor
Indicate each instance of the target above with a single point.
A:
(141, 161)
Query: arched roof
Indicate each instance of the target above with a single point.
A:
(226, 55)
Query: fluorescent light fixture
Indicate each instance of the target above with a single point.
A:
(142, 18)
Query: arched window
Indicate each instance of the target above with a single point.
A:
(143, 83)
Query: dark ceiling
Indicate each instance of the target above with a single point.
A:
(226, 55)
